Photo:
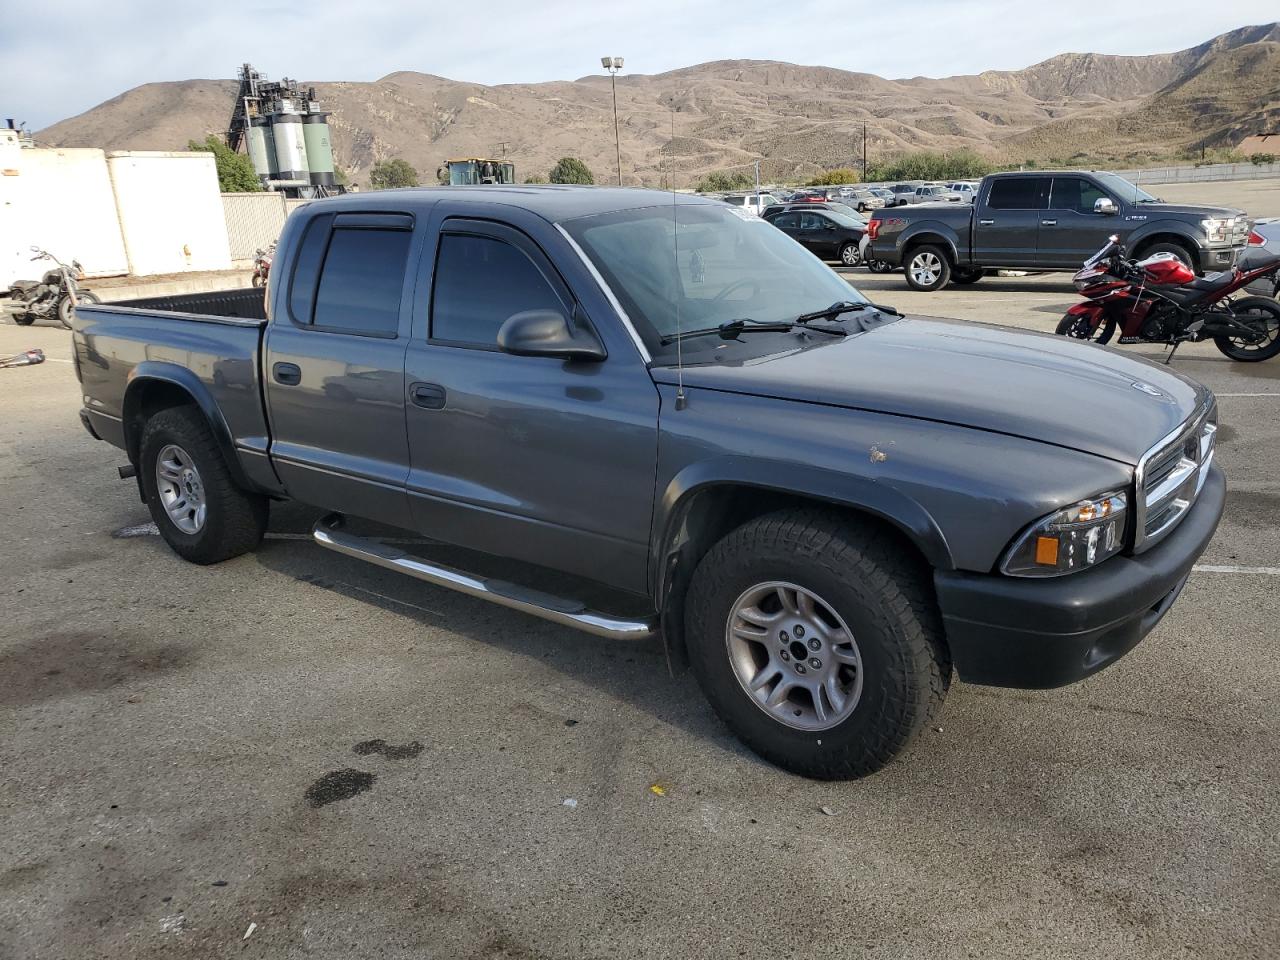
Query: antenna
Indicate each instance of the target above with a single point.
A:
(681, 400)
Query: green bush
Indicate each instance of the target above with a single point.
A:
(570, 170)
(392, 173)
(835, 178)
(535, 178)
(1261, 158)
(926, 165)
(235, 170)
(722, 181)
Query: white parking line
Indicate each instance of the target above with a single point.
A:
(1247, 394)
(1231, 568)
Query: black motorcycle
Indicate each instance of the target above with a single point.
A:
(53, 296)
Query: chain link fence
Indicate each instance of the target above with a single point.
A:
(254, 221)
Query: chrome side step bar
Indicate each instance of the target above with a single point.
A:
(570, 613)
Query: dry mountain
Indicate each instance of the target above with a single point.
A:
(796, 119)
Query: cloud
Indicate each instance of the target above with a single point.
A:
(62, 57)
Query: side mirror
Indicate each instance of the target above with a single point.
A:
(34, 248)
(548, 333)
(1105, 206)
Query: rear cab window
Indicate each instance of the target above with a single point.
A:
(1019, 193)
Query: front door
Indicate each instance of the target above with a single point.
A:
(535, 458)
(1070, 231)
(335, 367)
(1006, 226)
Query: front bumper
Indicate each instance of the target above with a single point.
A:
(1015, 632)
(1218, 258)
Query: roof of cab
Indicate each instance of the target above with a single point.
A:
(553, 202)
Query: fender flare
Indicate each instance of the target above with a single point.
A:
(1154, 228)
(161, 371)
(839, 489)
(930, 231)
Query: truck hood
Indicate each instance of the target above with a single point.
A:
(1153, 211)
(1045, 388)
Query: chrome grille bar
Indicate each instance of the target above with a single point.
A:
(1170, 476)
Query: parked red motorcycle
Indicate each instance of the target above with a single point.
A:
(1160, 300)
(262, 265)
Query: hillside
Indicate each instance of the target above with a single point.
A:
(797, 118)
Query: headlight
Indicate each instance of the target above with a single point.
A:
(1074, 538)
(1218, 229)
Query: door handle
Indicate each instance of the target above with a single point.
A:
(986, 223)
(428, 395)
(289, 374)
(1048, 223)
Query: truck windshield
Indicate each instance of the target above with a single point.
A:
(704, 264)
(1122, 188)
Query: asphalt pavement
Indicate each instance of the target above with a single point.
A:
(331, 760)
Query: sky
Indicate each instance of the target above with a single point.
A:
(58, 58)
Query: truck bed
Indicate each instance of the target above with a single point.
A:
(208, 343)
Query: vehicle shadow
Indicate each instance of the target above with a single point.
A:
(636, 672)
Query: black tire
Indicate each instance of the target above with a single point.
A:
(1078, 329)
(879, 266)
(235, 520)
(967, 275)
(24, 319)
(1176, 249)
(256, 280)
(849, 255)
(927, 260)
(858, 570)
(1237, 348)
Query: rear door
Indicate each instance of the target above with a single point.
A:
(335, 366)
(814, 233)
(535, 458)
(1006, 224)
(1070, 232)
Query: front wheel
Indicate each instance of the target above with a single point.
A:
(1080, 327)
(817, 642)
(66, 310)
(849, 255)
(928, 269)
(196, 505)
(967, 275)
(1262, 315)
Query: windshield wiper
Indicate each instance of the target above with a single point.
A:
(844, 306)
(730, 329)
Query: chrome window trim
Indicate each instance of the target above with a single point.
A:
(1200, 425)
(609, 294)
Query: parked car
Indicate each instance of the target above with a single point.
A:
(754, 202)
(884, 193)
(825, 232)
(1264, 242)
(932, 193)
(1050, 221)
(668, 402)
(902, 194)
(966, 189)
(863, 200)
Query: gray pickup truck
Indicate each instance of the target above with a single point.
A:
(823, 507)
(1048, 221)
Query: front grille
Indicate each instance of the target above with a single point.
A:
(1170, 476)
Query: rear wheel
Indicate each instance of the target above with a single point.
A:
(849, 255)
(1081, 327)
(879, 266)
(194, 501)
(1261, 314)
(965, 275)
(928, 268)
(817, 642)
(24, 319)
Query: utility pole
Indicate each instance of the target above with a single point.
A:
(864, 152)
(613, 65)
(757, 178)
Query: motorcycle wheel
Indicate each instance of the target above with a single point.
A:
(65, 309)
(1263, 314)
(24, 319)
(257, 280)
(1078, 328)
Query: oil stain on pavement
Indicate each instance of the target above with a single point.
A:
(339, 785)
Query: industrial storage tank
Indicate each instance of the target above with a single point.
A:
(262, 147)
(291, 147)
(315, 131)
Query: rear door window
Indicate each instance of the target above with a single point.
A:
(1019, 193)
(1075, 193)
(361, 281)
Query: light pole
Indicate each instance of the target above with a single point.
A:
(613, 65)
